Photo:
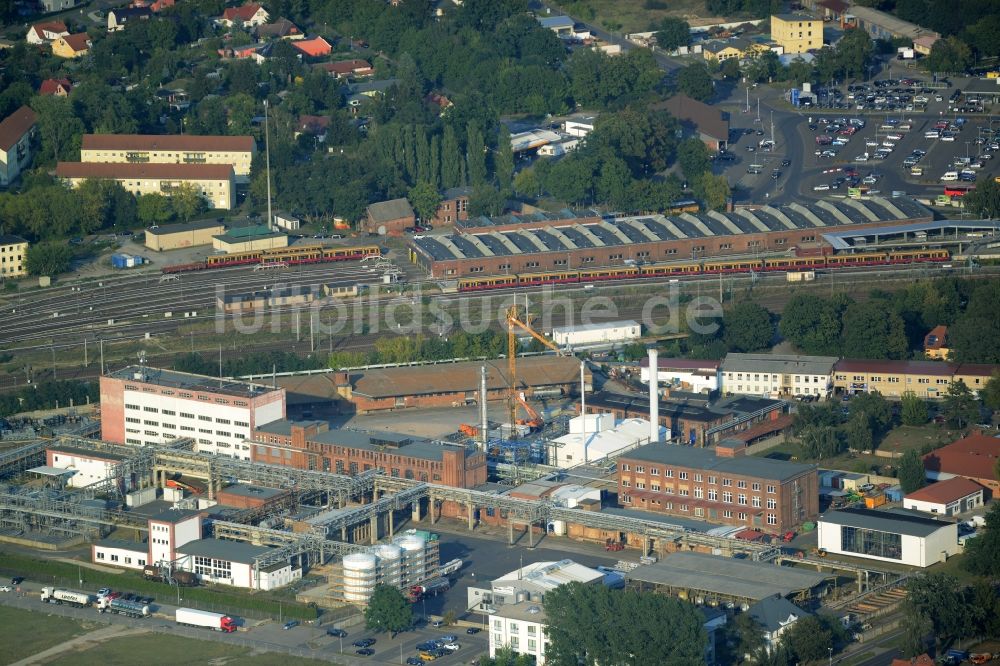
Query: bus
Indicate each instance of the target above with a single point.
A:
(957, 190)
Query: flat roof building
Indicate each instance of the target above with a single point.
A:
(235, 563)
(214, 182)
(895, 535)
(181, 235)
(235, 151)
(13, 256)
(775, 375)
(249, 239)
(797, 33)
(684, 374)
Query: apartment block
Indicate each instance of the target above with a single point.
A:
(214, 182)
(236, 151)
(797, 33)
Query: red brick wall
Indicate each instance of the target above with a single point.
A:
(451, 211)
(112, 410)
(392, 227)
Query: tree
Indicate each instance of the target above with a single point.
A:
(695, 81)
(982, 554)
(49, 258)
(913, 410)
(714, 191)
(425, 200)
(991, 392)
(859, 433)
(504, 163)
(809, 639)
(526, 183)
(912, 475)
(693, 158)
(949, 54)
(812, 324)
(820, 443)
(939, 598)
(485, 200)
(984, 200)
(747, 328)
(475, 156)
(960, 406)
(871, 332)
(763, 67)
(187, 201)
(673, 33)
(730, 69)
(451, 159)
(505, 656)
(388, 610)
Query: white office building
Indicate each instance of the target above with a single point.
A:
(520, 627)
(777, 375)
(608, 333)
(895, 535)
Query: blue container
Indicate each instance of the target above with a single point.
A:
(119, 261)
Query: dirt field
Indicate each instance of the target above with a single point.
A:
(633, 15)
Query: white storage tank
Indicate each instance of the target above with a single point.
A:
(359, 576)
(413, 567)
(389, 558)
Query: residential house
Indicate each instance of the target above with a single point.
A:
(390, 217)
(439, 101)
(52, 6)
(120, 16)
(13, 256)
(973, 457)
(316, 47)
(710, 124)
(156, 6)
(925, 43)
(72, 46)
(57, 87)
(797, 33)
(775, 615)
(946, 498)
(314, 126)
(245, 52)
(17, 133)
(936, 343)
(246, 15)
(342, 69)
(43, 33)
(214, 182)
(280, 29)
(454, 206)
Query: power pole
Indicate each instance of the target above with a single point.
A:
(102, 356)
(86, 361)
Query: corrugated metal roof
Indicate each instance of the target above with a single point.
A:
(896, 521)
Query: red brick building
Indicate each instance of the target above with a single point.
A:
(720, 485)
(312, 445)
(390, 217)
(454, 207)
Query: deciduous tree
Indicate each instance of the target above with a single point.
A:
(960, 406)
(695, 81)
(673, 33)
(982, 554)
(425, 200)
(747, 328)
(388, 610)
(49, 258)
(912, 475)
(913, 410)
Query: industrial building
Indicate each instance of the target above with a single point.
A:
(714, 580)
(13, 256)
(594, 437)
(408, 560)
(612, 332)
(720, 485)
(214, 182)
(17, 133)
(973, 457)
(181, 235)
(249, 239)
(86, 467)
(454, 206)
(313, 445)
(168, 531)
(390, 217)
(776, 375)
(896, 535)
(141, 405)
(235, 563)
(137, 149)
(925, 379)
(655, 239)
(431, 385)
(797, 33)
(537, 219)
(946, 498)
(684, 374)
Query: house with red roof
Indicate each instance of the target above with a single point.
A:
(72, 46)
(344, 68)
(246, 15)
(315, 126)
(57, 87)
(316, 47)
(946, 498)
(17, 133)
(973, 457)
(936, 343)
(156, 6)
(43, 33)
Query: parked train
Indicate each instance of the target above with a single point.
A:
(707, 267)
(300, 254)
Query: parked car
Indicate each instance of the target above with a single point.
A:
(336, 633)
(473, 630)
(5, 588)
(291, 624)
(363, 642)
(365, 652)
(17, 580)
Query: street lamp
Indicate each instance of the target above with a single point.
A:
(830, 651)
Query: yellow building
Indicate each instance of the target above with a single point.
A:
(925, 379)
(177, 236)
(237, 151)
(71, 46)
(214, 182)
(13, 256)
(249, 239)
(797, 33)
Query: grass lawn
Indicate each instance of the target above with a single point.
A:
(21, 634)
(953, 567)
(631, 15)
(157, 649)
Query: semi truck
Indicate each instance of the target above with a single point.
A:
(199, 618)
(56, 596)
(122, 607)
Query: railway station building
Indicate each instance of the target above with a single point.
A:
(576, 244)
(137, 149)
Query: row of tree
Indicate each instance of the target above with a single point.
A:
(48, 395)
(490, 343)
(251, 363)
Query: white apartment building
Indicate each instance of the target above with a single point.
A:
(520, 627)
(144, 406)
(777, 375)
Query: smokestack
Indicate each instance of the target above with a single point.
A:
(583, 407)
(654, 397)
(483, 434)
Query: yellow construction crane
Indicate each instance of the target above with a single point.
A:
(516, 321)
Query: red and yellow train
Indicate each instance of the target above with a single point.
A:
(300, 254)
(706, 267)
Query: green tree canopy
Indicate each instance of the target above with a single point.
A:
(812, 324)
(425, 200)
(939, 598)
(982, 554)
(388, 610)
(695, 81)
(871, 332)
(950, 55)
(673, 33)
(912, 475)
(49, 258)
(960, 406)
(693, 158)
(984, 200)
(913, 409)
(809, 639)
(747, 328)
(990, 393)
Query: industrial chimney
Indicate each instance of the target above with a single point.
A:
(654, 397)
(483, 422)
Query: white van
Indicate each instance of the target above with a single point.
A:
(950, 175)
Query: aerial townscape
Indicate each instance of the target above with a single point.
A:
(500, 332)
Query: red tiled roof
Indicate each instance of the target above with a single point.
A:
(972, 457)
(898, 367)
(978, 369)
(54, 27)
(317, 46)
(15, 126)
(52, 86)
(946, 491)
(936, 338)
(167, 142)
(78, 42)
(345, 66)
(144, 171)
(313, 124)
(244, 13)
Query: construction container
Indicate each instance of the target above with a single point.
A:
(874, 500)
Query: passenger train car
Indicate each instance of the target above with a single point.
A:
(709, 267)
(300, 254)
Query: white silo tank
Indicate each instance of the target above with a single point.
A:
(412, 569)
(389, 558)
(359, 576)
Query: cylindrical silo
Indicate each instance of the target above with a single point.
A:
(412, 567)
(389, 558)
(359, 576)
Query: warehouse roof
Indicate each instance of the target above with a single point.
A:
(184, 227)
(974, 457)
(379, 441)
(394, 209)
(145, 171)
(727, 576)
(233, 551)
(188, 381)
(944, 492)
(566, 235)
(896, 26)
(896, 367)
(779, 363)
(566, 216)
(689, 409)
(898, 521)
(183, 142)
(85, 453)
(597, 326)
(706, 459)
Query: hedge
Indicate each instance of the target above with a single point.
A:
(230, 601)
